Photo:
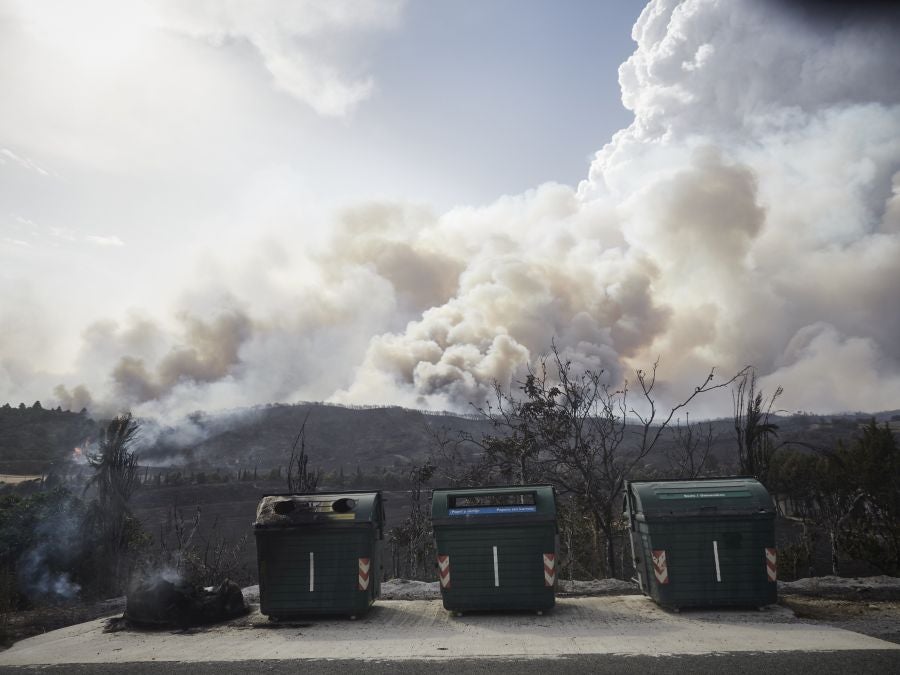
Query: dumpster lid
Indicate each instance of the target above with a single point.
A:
(473, 504)
(700, 496)
(286, 510)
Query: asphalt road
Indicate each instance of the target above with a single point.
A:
(822, 663)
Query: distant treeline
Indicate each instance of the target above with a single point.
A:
(363, 406)
(376, 478)
(38, 433)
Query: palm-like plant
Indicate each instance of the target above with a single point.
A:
(115, 480)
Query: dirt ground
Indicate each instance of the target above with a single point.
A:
(868, 606)
(880, 619)
(16, 626)
(396, 630)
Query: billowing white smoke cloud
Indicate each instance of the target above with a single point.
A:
(751, 204)
(750, 214)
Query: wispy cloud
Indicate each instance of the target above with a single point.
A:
(104, 241)
(62, 233)
(27, 232)
(27, 222)
(8, 155)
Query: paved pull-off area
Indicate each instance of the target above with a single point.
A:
(422, 629)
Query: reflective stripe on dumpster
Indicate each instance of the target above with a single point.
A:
(772, 564)
(444, 570)
(365, 565)
(659, 566)
(549, 569)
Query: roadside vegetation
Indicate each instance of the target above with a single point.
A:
(837, 503)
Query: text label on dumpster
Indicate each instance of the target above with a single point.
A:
(492, 510)
(704, 495)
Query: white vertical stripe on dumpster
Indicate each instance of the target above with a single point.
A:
(496, 569)
(716, 555)
(312, 572)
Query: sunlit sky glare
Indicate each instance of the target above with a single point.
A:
(156, 146)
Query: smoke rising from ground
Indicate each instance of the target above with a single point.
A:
(56, 542)
(749, 215)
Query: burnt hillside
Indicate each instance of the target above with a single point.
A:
(31, 438)
(336, 437)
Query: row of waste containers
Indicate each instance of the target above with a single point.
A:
(693, 543)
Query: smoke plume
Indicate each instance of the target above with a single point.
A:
(750, 214)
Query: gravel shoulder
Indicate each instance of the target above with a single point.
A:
(876, 619)
(409, 622)
(422, 629)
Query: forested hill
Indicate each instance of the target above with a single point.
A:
(336, 436)
(32, 437)
(393, 437)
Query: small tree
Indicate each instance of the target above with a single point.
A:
(689, 454)
(202, 559)
(870, 530)
(569, 427)
(115, 480)
(849, 491)
(299, 477)
(412, 545)
(753, 426)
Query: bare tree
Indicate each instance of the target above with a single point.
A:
(691, 446)
(570, 428)
(452, 456)
(412, 545)
(299, 477)
(202, 559)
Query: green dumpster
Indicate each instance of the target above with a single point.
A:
(707, 542)
(496, 547)
(319, 553)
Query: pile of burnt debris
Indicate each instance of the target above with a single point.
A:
(165, 601)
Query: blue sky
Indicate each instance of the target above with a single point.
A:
(536, 82)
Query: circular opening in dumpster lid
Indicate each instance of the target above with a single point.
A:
(284, 507)
(343, 505)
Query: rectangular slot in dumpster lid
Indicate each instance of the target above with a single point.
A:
(491, 504)
(506, 504)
